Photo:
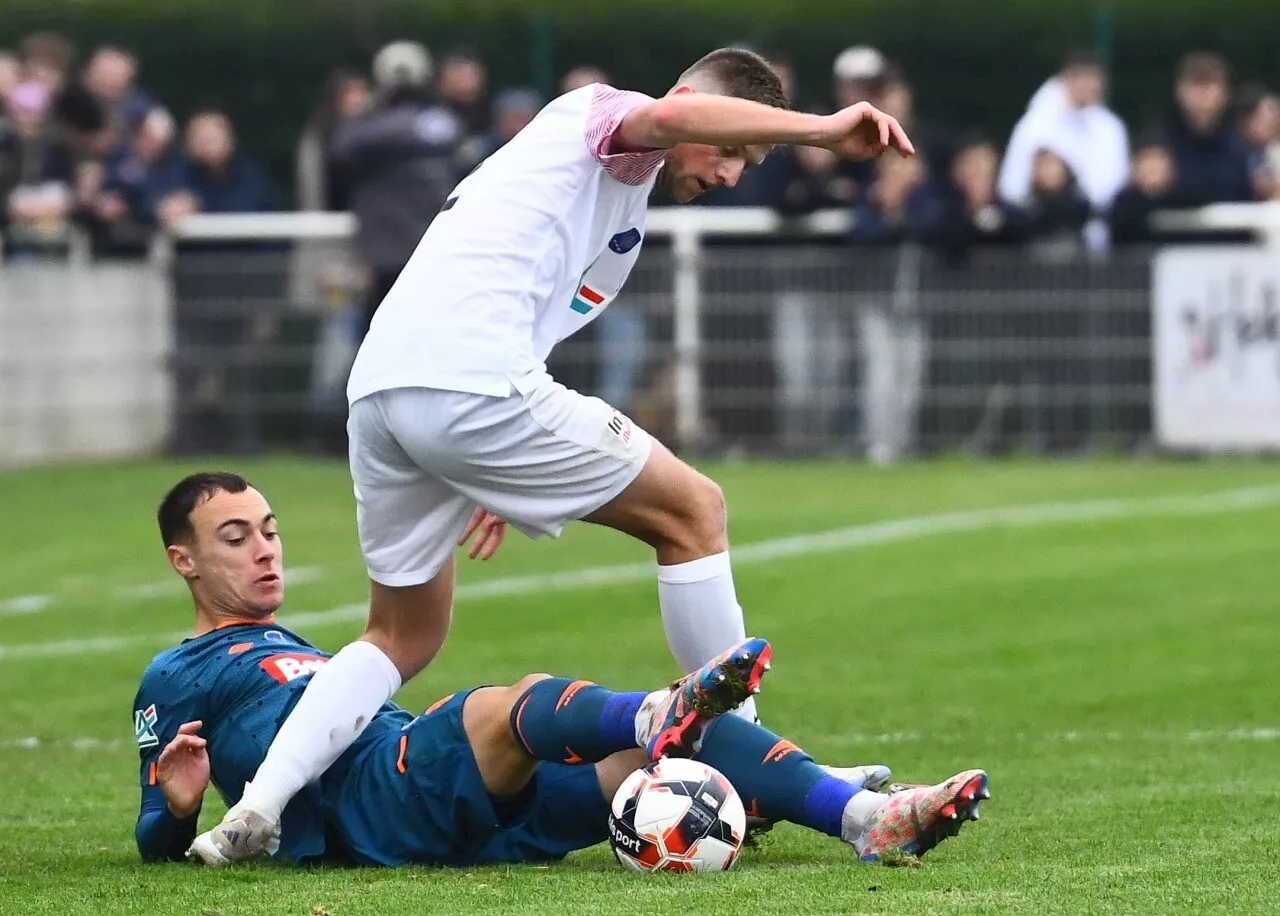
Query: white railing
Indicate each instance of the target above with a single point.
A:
(686, 228)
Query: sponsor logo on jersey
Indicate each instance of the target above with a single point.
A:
(620, 426)
(144, 726)
(289, 666)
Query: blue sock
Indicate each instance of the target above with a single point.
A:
(574, 721)
(775, 778)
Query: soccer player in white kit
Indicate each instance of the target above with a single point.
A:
(457, 429)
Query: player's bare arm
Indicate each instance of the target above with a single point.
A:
(860, 131)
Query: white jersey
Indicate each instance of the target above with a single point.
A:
(530, 248)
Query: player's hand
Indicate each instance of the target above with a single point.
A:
(491, 532)
(182, 772)
(862, 131)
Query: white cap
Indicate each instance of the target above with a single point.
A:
(861, 62)
(402, 63)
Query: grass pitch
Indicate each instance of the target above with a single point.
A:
(1110, 660)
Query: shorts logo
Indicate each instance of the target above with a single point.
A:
(144, 726)
(291, 665)
(620, 426)
(624, 241)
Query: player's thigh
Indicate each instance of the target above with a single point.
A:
(538, 460)
(667, 502)
(408, 518)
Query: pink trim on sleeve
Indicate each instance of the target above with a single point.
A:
(608, 107)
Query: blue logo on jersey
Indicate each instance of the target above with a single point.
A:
(273, 636)
(624, 241)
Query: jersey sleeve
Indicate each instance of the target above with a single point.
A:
(161, 835)
(608, 107)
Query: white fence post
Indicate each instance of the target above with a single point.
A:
(686, 245)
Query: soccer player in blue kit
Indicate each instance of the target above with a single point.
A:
(493, 774)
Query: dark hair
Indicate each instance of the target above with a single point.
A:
(1249, 97)
(1204, 67)
(741, 74)
(49, 48)
(174, 514)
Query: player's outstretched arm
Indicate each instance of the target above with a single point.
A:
(173, 787)
(860, 131)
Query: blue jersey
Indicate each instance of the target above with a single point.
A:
(242, 681)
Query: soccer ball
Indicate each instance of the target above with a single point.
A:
(677, 815)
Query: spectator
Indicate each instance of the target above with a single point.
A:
(974, 214)
(110, 75)
(1152, 186)
(402, 157)
(1258, 117)
(902, 204)
(118, 213)
(1067, 116)
(810, 181)
(857, 71)
(211, 175)
(46, 59)
(1056, 206)
(463, 85)
(512, 110)
(320, 184)
(894, 95)
(581, 76)
(10, 77)
(1211, 157)
(36, 170)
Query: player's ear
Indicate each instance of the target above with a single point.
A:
(683, 90)
(182, 561)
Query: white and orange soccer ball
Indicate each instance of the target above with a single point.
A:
(677, 815)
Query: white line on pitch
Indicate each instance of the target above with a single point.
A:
(851, 538)
(24, 604)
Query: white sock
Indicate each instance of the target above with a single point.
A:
(338, 703)
(701, 615)
(857, 814)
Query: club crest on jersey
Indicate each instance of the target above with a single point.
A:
(624, 241)
(289, 666)
(144, 726)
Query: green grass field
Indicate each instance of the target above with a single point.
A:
(1111, 660)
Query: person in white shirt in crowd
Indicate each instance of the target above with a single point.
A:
(1068, 116)
(456, 427)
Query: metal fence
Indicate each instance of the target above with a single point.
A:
(785, 341)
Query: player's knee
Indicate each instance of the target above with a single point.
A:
(519, 687)
(702, 522)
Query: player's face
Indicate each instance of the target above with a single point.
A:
(692, 169)
(235, 561)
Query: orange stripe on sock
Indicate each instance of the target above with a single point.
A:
(151, 775)
(404, 745)
(569, 693)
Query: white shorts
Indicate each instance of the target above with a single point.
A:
(422, 460)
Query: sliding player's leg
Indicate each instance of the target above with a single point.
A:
(778, 781)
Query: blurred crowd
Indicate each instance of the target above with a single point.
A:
(86, 142)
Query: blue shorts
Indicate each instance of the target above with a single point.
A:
(417, 797)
